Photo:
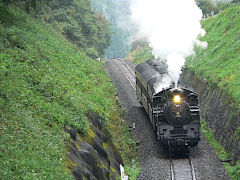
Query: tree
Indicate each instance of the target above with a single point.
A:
(206, 6)
(80, 24)
(118, 13)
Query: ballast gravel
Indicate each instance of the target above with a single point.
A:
(154, 160)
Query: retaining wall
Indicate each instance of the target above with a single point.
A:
(217, 111)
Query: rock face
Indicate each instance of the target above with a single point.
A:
(216, 110)
(93, 156)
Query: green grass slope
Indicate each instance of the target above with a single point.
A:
(220, 65)
(140, 54)
(46, 83)
(220, 62)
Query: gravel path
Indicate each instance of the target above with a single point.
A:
(154, 161)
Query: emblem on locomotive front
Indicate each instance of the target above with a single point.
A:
(178, 115)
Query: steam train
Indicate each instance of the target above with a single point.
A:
(173, 110)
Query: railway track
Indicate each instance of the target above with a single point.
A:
(127, 71)
(182, 169)
(154, 161)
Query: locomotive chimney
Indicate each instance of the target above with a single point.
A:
(176, 84)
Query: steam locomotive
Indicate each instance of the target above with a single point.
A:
(172, 110)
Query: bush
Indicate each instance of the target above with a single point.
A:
(76, 20)
(140, 55)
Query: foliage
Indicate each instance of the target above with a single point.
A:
(124, 141)
(222, 4)
(76, 20)
(80, 24)
(140, 55)
(234, 171)
(140, 51)
(118, 13)
(140, 43)
(133, 173)
(46, 83)
(208, 5)
(219, 63)
(28, 5)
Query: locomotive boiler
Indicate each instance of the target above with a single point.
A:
(173, 109)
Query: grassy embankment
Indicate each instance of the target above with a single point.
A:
(140, 55)
(46, 83)
(219, 64)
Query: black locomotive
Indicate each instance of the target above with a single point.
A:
(173, 111)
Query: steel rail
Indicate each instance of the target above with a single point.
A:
(116, 61)
(192, 169)
(173, 174)
(172, 169)
(132, 72)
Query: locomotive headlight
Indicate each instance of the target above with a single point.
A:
(177, 99)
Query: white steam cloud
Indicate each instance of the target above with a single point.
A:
(172, 28)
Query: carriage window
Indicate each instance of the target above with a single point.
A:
(144, 91)
(138, 83)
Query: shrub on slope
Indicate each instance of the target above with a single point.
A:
(75, 19)
(140, 55)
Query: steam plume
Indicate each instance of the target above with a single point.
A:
(172, 27)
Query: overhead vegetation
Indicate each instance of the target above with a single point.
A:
(47, 84)
(118, 13)
(216, 6)
(75, 19)
(140, 55)
(140, 51)
(81, 25)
